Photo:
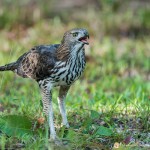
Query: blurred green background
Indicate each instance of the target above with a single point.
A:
(116, 82)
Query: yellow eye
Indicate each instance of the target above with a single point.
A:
(75, 34)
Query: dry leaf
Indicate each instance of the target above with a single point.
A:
(41, 120)
(116, 145)
(127, 140)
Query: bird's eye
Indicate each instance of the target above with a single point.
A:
(75, 34)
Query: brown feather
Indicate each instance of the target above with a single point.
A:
(63, 52)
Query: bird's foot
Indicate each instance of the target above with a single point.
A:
(54, 139)
(65, 125)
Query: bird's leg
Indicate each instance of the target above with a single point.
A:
(48, 109)
(61, 98)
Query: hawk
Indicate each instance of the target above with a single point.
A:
(54, 65)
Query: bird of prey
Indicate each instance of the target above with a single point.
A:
(54, 65)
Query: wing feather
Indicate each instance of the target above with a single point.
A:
(38, 62)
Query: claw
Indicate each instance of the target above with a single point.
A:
(56, 141)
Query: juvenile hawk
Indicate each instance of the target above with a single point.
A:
(51, 66)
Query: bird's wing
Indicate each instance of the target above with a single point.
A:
(38, 62)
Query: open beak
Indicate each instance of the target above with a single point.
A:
(84, 39)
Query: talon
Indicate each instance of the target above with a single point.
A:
(53, 136)
(65, 125)
(55, 140)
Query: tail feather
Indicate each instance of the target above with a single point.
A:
(7, 67)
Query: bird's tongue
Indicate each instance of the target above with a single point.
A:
(84, 39)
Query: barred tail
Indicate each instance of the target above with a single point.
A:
(7, 67)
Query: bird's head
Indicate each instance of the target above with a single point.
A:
(73, 40)
(76, 36)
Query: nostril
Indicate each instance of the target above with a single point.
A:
(87, 35)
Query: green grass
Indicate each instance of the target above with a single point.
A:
(109, 104)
